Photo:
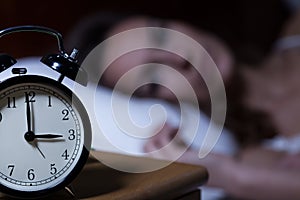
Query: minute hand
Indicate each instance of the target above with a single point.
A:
(28, 113)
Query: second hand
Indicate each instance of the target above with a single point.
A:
(36, 145)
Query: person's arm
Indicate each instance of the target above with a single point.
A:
(262, 183)
(257, 175)
(249, 181)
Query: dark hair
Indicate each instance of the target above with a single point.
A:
(91, 31)
(249, 126)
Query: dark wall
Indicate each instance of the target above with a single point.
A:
(244, 24)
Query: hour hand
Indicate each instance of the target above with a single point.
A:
(47, 136)
(31, 136)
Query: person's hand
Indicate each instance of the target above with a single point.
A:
(221, 168)
(290, 161)
(161, 139)
(166, 144)
(267, 158)
(260, 157)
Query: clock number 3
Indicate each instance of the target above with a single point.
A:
(72, 134)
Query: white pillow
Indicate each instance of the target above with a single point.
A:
(124, 125)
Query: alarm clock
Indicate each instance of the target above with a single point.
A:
(45, 131)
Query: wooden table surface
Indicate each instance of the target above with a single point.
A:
(98, 181)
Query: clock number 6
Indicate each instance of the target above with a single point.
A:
(30, 174)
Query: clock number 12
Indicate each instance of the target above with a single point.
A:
(31, 96)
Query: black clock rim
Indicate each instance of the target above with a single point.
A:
(87, 135)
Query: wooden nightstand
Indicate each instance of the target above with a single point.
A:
(100, 182)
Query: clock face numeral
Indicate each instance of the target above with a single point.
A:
(31, 96)
(53, 169)
(72, 134)
(49, 101)
(65, 155)
(11, 169)
(30, 174)
(65, 112)
(11, 102)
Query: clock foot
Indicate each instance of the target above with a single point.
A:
(71, 192)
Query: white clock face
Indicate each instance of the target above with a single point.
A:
(41, 137)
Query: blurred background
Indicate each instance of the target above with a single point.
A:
(248, 26)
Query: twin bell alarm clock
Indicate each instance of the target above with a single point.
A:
(45, 131)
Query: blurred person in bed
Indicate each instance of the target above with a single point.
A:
(263, 103)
